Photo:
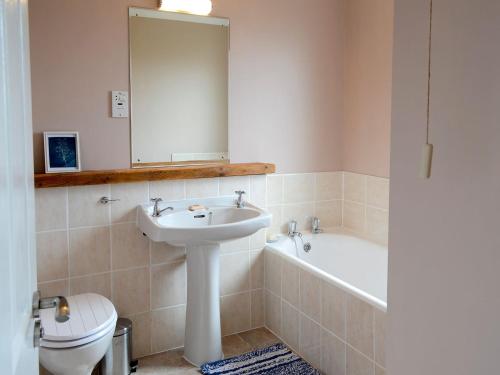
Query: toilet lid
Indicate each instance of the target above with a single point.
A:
(90, 315)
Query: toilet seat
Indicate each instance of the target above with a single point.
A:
(91, 317)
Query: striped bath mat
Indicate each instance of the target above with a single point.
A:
(276, 359)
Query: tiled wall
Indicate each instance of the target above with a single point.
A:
(330, 328)
(366, 206)
(303, 196)
(84, 246)
(357, 202)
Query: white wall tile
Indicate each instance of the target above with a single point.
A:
(277, 218)
(358, 364)
(273, 312)
(99, 284)
(52, 255)
(51, 208)
(274, 190)
(161, 252)
(129, 248)
(333, 306)
(257, 269)
(359, 325)
(354, 216)
(258, 240)
(84, 207)
(329, 213)
(130, 291)
(290, 283)
(257, 308)
(235, 273)
(310, 295)
(168, 285)
(299, 188)
(258, 190)
(301, 212)
(228, 185)
(310, 341)
(377, 224)
(130, 196)
(167, 328)
(202, 188)
(54, 288)
(377, 192)
(379, 329)
(168, 190)
(273, 265)
(141, 334)
(333, 354)
(328, 186)
(89, 251)
(290, 325)
(235, 246)
(354, 187)
(235, 313)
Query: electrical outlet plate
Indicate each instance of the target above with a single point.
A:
(119, 104)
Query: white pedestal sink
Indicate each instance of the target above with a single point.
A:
(202, 231)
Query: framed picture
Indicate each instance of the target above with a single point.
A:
(62, 152)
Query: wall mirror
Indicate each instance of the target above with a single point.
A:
(179, 88)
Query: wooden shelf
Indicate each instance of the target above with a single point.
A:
(116, 176)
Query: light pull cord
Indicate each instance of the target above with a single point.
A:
(427, 149)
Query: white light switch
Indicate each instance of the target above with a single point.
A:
(119, 103)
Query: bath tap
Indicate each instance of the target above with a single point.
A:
(292, 229)
(315, 226)
(293, 234)
(156, 210)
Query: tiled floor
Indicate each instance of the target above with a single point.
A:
(172, 362)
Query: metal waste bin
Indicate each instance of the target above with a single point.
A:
(118, 358)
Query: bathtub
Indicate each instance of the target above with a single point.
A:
(328, 304)
(355, 265)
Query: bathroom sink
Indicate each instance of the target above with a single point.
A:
(219, 221)
(201, 225)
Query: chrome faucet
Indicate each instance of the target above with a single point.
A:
(239, 201)
(292, 229)
(156, 209)
(293, 234)
(61, 305)
(315, 226)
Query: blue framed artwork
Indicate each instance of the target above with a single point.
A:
(62, 152)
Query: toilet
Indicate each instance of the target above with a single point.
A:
(76, 346)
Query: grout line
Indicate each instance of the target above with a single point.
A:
(250, 285)
(164, 308)
(86, 227)
(68, 241)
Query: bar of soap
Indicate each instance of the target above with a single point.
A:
(196, 207)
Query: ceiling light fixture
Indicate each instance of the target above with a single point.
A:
(200, 7)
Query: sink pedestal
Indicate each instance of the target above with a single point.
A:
(203, 329)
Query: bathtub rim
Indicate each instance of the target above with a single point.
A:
(346, 287)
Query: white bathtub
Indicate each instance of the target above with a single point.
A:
(353, 264)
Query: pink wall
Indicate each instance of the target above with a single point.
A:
(79, 52)
(286, 74)
(444, 278)
(368, 78)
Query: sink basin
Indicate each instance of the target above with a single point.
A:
(201, 232)
(220, 221)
